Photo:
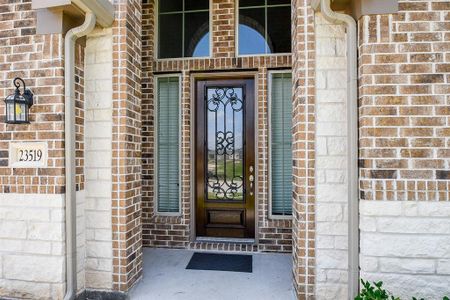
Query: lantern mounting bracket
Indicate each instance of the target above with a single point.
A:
(27, 93)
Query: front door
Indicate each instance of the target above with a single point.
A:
(225, 158)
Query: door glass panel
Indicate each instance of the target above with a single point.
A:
(225, 151)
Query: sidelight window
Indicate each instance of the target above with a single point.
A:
(183, 28)
(281, 144)
(264, 26)
(167, 145)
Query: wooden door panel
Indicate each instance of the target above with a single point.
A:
(224, 151)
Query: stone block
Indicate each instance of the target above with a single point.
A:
(326, 128)
(325, 47)
(405, 286)
(24, 290)
(98, 280)
(34, 268)
(368, 263)
(414, 225)
(328, 212)
(433, 209)
(324, 241)
(337, 145)
(341, 242)
(331, 112)
(331, 96)
(13, 229)
(443, 266)
(95, 219)
(337, 79)
(98, 249)
(46, 231)
(331, 291)
(332, 228)
(321, 146)
(368, 224)
(398, 245)
(24, 214)
(337, 276)
(405, 265)
(331, 259)
(332, 193)
(336, 176)
(380, 208)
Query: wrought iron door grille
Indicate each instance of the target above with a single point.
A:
(225, 143)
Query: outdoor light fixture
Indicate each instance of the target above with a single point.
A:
(18, 105)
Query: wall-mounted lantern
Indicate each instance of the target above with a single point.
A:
(18, 104)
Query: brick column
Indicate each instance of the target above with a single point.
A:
(303, 148)
(404, 89)
(126, 163)
(148, 129)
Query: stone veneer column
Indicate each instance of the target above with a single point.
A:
(303, 148)
(331, 161)
(98, 143)
(126, 146)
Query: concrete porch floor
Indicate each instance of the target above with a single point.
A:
(165, 277)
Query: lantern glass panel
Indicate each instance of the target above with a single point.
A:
(21, 109)
(10, 111)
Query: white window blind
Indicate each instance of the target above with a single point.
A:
(281, 144)
(167, 158)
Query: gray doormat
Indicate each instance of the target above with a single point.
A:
(221, 262)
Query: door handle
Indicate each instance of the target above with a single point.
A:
(251, 179)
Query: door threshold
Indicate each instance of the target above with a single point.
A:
(206, 239)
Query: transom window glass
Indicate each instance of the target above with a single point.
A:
(183, 28)
(264, 26)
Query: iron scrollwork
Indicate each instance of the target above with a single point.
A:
(226, 156)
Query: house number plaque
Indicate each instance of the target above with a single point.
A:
(28, 155)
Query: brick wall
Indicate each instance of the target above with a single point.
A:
(331, 161)
(404, 87)
(162, 231)
(38, 59)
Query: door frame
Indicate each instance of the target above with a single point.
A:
(193, 78)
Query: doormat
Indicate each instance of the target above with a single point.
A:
(221, 262)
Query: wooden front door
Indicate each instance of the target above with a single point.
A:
(225, 158)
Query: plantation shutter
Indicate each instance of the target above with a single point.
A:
(168, 145)
(281, 144)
